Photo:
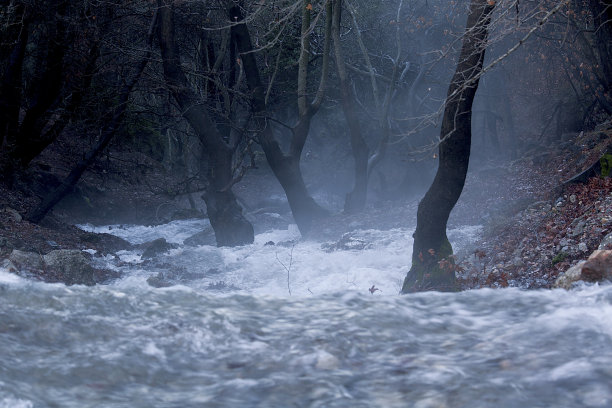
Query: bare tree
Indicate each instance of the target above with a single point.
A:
(286, 165)
(431, 245)
(365, 160)
(230, 226)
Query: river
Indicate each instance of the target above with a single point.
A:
(294, 325)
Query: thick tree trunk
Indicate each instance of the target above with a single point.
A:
(226, 218)
(224, 213)
(431, 263)
(286, 167)
(303, 207)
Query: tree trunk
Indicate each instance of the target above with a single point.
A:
(286, 167)
(432, 267)
(303, 207)
(226, 218)
(224, 213)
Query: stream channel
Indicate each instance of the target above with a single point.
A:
(294, 325)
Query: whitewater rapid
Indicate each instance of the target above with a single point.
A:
(224, 331)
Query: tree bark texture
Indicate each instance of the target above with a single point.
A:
(226, 218)
(286, 167)
(432, 267)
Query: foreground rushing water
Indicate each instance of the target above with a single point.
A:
(228, 334)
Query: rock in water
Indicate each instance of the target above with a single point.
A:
(596, 269)
(567, 278)
(71, 266)
(156, 247)
(25, 264)
(326, 361)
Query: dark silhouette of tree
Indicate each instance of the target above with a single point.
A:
(365, 159)
(286, 166)
(226, 218)
(431, 262)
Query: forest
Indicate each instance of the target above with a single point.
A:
(221, 179)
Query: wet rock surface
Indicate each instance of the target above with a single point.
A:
(598, 268)
(72, 267)
(156, 247)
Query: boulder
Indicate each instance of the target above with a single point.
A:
(70, 266)
(156, 247)
(27, 261)
(596, 269)
(9, 266)
(569, 277)
(172, 277)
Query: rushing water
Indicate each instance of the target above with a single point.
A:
(227, 333)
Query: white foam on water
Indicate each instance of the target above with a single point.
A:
(9, 278)
(290, 266)
(175, 231)
(10, 402)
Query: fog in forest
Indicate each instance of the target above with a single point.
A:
(305, 203)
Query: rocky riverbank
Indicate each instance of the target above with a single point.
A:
(556, 226)
(536, 226)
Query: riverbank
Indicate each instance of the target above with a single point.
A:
(534, 226)
(535, 238)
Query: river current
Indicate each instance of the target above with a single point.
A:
(295, 325)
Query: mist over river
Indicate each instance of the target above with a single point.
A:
(294, 325)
